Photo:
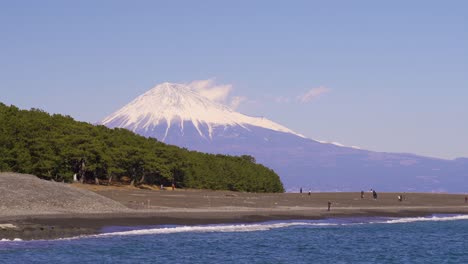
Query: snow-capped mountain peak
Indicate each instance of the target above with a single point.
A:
(172, 104)
(178, 114)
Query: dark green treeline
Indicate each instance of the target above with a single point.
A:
(57, 147)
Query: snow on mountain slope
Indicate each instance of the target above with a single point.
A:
(172, 104)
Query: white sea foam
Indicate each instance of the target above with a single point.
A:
(270, 226)
(427, 219)
(259, 227)
(213, 228)
(9, 240)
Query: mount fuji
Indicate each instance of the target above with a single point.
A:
(177, 114)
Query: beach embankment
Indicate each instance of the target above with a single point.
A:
(31, 208)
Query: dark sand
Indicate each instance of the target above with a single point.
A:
(193, 207)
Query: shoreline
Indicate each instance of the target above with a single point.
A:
(40, 227)
(31, 208)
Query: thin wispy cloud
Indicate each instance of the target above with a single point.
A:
(217, 92)
(209, 89)
(236, 101)
(303, 98)
(313, 94)
(282, 100)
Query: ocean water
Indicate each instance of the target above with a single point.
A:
(435, 239)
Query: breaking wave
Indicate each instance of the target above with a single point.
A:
(426, 219)
(267, 226)
(213, 228)
(10, 240)
(271, 226)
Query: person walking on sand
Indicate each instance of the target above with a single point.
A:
(310, 191)
(300, 190)
(374, 194)
(329, 205)
(362, 194)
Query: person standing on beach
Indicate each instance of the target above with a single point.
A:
(300, 190)
(374, 194)
(329, 205)
(362, 194)
(310, 191)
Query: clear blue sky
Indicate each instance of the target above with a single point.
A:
(393, 74)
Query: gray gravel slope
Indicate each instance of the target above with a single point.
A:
(22, 194)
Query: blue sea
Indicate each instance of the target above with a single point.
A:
(435, 239)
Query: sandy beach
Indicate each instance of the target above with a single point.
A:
(131, 206)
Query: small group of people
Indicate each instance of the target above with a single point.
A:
(400, 197)
(374, 194)
(300, 191)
